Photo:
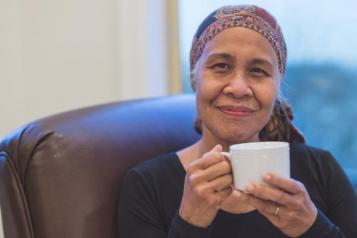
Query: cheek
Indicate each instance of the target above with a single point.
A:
(206, 89)
(267, 94)
(206, 93)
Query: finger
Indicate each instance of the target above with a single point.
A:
(221, 183)
(217, 198)
(261, 205)
(208, 159)
(223, 194)
(217, 148)
(270, 193)
(290, 185)
(271, 217)
(237, 193)
(217, 170)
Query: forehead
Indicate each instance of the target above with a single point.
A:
(241, 43)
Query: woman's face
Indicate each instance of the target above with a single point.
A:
(237, 81)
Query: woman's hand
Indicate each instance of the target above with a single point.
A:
(207, 184)
(285, 202)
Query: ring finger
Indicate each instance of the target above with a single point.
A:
(270, 193)
(264, 206)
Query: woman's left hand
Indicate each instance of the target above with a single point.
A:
(285, 202)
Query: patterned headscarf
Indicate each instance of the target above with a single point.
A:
(247, 16)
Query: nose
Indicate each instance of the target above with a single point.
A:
(238, 86)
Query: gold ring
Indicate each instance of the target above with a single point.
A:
(276, 212)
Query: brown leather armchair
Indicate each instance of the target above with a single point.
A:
(60, 176)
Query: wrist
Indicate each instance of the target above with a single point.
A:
(191, 219)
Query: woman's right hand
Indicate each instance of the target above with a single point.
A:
(207, 184)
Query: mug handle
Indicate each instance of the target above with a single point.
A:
(226, 155)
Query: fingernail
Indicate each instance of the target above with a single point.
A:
(267, 177)
(249, 188)
(218, 148)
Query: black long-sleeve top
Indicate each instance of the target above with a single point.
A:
(152, 191)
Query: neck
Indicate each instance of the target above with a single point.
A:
(208, 141)
(205, 144)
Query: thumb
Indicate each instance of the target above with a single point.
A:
(217, 148)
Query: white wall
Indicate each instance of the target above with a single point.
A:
(60, 55)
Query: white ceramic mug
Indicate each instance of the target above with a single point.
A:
(251, 160)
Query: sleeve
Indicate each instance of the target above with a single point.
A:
(139, 215)
(323, 228)
(340, 218)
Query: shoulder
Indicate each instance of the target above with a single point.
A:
(318, 168)
(310, 151)
(157, 172)
(308, 158)
(313, 157)
(157, 164)
(148, 176)
(158, 182)
(313, 166)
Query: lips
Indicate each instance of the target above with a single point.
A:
(237, 111)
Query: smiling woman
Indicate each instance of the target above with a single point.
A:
(237, 62)
(320, 77)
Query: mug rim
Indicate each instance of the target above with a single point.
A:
(263, 145)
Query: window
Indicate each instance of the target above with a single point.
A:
(320, 83)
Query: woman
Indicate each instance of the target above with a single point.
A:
(238, 60)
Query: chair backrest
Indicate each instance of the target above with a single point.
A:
(60, 176)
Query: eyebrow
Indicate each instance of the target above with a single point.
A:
(262, 61)
(226, 56)
(214, 56)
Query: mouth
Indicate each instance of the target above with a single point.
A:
(237, 111)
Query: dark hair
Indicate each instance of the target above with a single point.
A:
(280, 127)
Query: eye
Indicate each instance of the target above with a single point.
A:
(221, 68)
(258, 72)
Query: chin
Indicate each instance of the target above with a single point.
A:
(236, 139)
(235, 136)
